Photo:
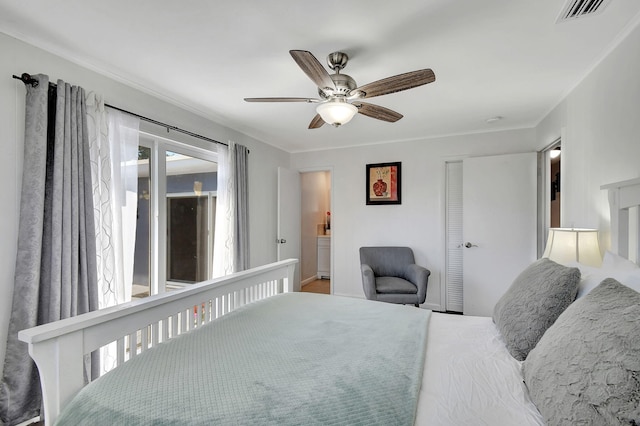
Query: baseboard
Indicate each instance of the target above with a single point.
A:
(431, 307)
(349, 295)
(35, 421)
(308, 281)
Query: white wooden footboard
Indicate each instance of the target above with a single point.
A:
(58, 348)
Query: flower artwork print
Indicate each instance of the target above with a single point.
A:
(383, 183)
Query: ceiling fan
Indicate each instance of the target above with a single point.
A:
(340, 96)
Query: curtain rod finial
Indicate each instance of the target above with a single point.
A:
(27, 79)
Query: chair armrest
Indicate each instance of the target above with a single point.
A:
(419, 276)
(368, 282)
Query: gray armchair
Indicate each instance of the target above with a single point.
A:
(389, 274)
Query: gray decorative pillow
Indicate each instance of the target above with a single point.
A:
(586, 368)
(533, 302)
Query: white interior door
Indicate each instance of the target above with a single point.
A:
(289, 218)
(499, 226)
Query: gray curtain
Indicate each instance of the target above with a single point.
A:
(240, 158)
(55, 275)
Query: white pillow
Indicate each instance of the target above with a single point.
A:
(613, 266)
(588, 283)
(614, 261)
(633, 280)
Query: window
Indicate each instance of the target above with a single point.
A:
(177, 186)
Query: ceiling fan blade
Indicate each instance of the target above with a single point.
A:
(313, 68)
(317, 122)
(396, 83)
(308, 100)
(378, 112)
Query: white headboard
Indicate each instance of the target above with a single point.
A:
(622, 197)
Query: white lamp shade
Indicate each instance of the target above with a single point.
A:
(566, 245)
(336, 113)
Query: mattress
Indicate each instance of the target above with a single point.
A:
(463, 375)
(291, 359)
(470, 378)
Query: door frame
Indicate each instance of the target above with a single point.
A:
(159, 145)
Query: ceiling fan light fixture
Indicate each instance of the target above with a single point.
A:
(336, 113)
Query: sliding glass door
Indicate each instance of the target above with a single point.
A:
(177, 186)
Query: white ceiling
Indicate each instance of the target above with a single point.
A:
(505, 58)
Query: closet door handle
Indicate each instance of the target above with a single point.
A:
(469, 245)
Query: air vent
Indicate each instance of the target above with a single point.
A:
(575, 9)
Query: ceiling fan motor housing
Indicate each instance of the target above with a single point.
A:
(337, 60)
(344, 84)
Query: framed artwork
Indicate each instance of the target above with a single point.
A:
(383, 183)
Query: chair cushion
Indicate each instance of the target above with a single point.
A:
(533, 302)
(387, 261)
(586, 368)
(394, 285)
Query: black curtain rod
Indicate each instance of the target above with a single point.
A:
(27, 79)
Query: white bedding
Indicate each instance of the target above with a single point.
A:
(470, 377)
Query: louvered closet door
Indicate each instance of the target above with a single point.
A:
(453, 280)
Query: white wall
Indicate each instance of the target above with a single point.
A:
(18, 57)
(599, 122)
(418, 221)
(600, 125)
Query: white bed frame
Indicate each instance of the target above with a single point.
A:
(625, 234)
(59, 348)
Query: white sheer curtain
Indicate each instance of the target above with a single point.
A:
(231, 245)
(124, 135)
(113, 150)
(223, 242)
(113, 142)
(101, 179)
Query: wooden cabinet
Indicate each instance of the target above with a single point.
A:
(324, 257)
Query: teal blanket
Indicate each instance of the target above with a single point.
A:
(293, 359)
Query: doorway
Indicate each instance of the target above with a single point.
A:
(316, 230)
(550, 194)
(553, 180)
